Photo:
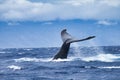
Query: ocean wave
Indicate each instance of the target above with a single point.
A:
(33, 59)
(110, 67)
(2, 52)
(28, 49)
(103, 58)
(43, 59)
(14, 67)
(100, 57)
(62, 60)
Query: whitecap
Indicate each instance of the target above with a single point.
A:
(20, 53)
(33, 59)
(28, 49)
(14, 67)
(2, 52)
(102, 57)
(27, 59)
(99, 57)
(110, 67)
(62, 60)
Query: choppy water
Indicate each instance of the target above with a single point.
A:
(83, 63)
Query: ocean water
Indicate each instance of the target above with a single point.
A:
(83, 63)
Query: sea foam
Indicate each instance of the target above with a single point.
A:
(14, 67)
(33, 59)
(110, 67)
(102, 57)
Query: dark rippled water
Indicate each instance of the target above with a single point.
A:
(83, 63)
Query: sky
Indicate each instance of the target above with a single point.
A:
(38, 23)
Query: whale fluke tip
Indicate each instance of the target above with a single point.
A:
(64, 30)
(91, 37)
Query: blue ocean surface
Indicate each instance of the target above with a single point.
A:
(83, 63)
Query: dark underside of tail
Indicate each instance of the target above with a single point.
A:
(62, 54)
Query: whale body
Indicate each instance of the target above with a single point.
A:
(67, 40)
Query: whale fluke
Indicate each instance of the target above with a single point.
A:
(67, 40)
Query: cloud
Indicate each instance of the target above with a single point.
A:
(29, 10)
(107, 23)
(48, 23)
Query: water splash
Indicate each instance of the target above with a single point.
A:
(86, 51)
(62, 60)
(77, 50)
(97, 49)
(110, 67)
(103, 58)
(94, 54)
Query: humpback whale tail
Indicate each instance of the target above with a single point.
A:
(67, 40)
